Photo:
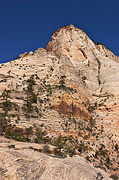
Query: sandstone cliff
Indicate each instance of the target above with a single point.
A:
(68, 89)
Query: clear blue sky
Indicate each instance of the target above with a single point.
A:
(26, 25)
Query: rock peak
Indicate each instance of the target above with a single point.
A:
(67, 93)
(63, 40)
(73, 42)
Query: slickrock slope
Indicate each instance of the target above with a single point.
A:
(20, 161)
(71, 89)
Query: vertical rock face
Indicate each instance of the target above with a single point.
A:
(69, 88)
(95, 63)
(72, 42)
(98, 68)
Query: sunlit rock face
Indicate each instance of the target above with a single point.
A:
(77, 90)
(95, 63)
(21, 161)
(98, 67)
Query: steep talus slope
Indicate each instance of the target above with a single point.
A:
(68, 89)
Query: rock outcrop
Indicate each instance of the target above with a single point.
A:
(22, 161)
(71, 89)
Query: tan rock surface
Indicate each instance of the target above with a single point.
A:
(98, 64)
(18, 164)
(77, 86)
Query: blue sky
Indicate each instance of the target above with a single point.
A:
(26, 25)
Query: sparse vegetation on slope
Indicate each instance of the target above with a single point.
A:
(62, 96)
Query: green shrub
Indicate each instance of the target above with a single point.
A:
(84, 78)
(40, 136)
(88, 158)
(28, 132)
(115, 177)
(91, 108)
(59, 142)
(36, 110)
(116, 147)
